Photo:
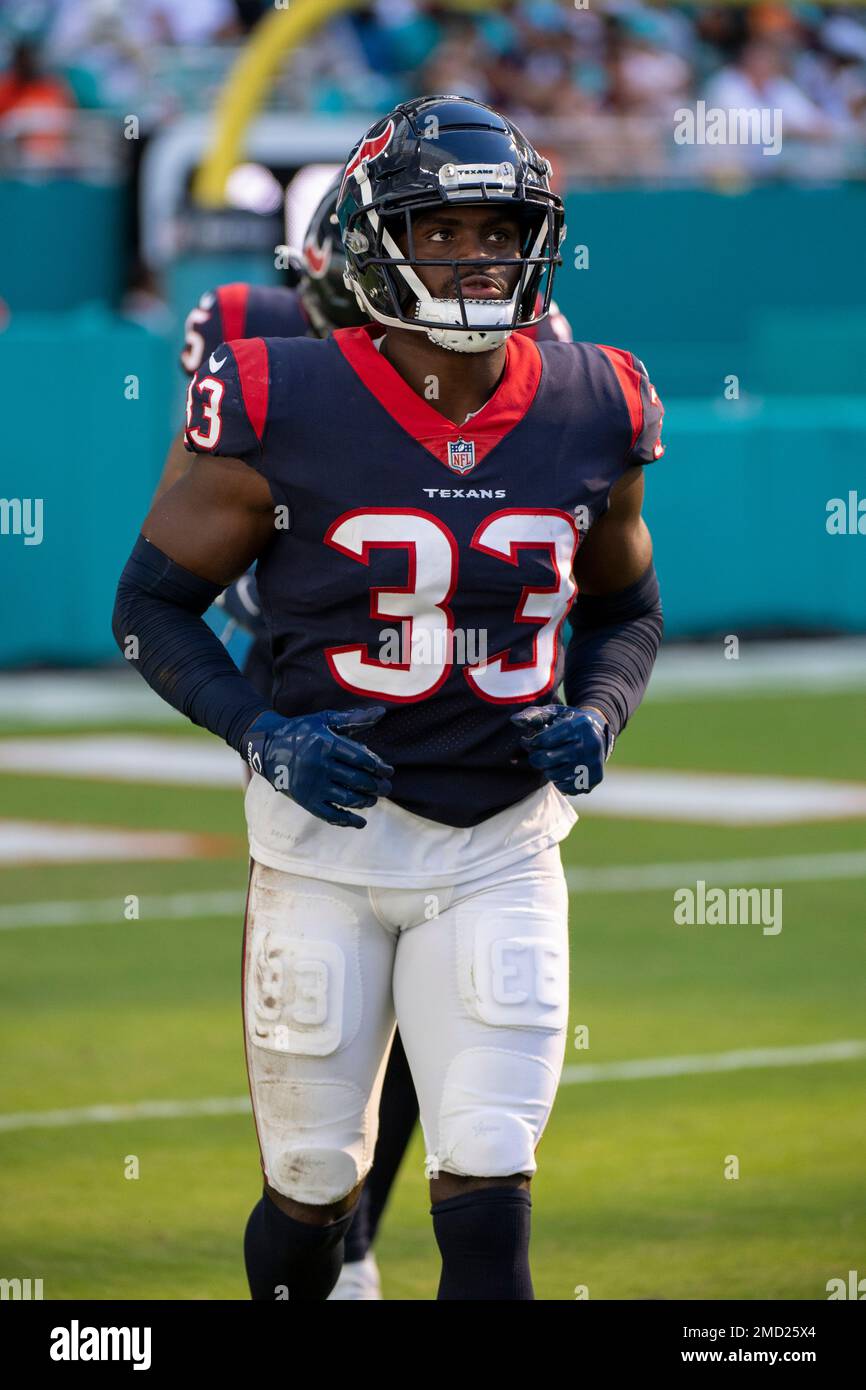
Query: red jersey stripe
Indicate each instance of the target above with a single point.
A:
(629, 380)
(232, 301)
(251, 356)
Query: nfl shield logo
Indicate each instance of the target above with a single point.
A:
(461, 455)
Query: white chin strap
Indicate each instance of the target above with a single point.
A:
(488, 317)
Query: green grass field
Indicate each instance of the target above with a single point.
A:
(631, 1198)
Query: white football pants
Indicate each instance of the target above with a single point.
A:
(476, 976)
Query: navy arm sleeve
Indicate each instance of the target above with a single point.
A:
(159, 627)
(614, 642)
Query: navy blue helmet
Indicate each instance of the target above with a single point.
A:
(435, 151)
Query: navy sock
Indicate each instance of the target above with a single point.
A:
(483, 1237)
(398, 1112)
(287, 1256)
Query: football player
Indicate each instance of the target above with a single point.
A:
(423, 495)
(319, 303)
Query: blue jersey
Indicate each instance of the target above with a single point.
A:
(420, 564)
(241, 311)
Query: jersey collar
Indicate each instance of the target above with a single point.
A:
(487, 428)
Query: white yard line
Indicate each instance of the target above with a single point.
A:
(657, 794)
(641, 1069)
(171, 907)
(625, 878)
(720, 798)
(65, 842)
(116, 1114)
(82, 697)
(134, 758)
(646, 1068)
(783, 868)
(828, 666)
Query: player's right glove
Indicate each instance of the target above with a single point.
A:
(312, 759)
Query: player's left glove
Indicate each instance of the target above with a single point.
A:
(568, 746)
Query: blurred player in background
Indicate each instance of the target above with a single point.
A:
(336, 464)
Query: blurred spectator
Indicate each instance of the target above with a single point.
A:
(534, 72)
(457, 65)
(834, 74)
(398, 35)
(780, 24)
(758, 79)
(720, 31)
(34, 108)
(77, 25)
(184, 21)
(649, 77)
(603, 82)
(92, 38)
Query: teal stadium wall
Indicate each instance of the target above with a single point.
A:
(767, 285)
(62, 243)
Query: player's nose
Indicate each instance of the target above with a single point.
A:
(473, 247)
(469, 243)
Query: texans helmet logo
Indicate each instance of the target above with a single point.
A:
(318, 258)
(368, 149)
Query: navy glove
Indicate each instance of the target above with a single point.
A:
(241, 602)
(569, 746)
(317, 766)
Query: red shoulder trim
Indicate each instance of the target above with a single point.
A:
(505, 409)
(232, 301)
(629, 379)
(251, 357)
